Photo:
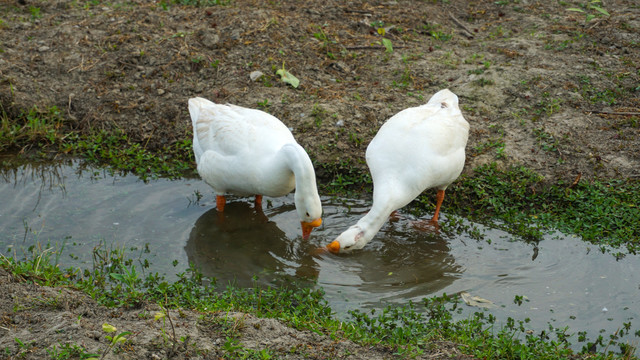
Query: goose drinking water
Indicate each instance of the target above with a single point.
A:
(419, 148)
(248, 152)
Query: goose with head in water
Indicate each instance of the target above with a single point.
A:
(248, 152)
(419, 148)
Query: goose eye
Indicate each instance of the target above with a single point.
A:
(307, 213)
(443, 105)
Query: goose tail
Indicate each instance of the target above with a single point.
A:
(195, 105)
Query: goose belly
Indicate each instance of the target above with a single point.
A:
(229, 175)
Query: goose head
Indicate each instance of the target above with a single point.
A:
(353, 238)
(309, 211)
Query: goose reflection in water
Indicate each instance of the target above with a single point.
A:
(400, 264)
(240, 243)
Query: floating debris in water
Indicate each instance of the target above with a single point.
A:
(477, 301)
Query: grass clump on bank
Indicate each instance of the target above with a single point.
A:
(45, 132)
(603, 213)
(31, 128)
(116, 151)
(407, 331)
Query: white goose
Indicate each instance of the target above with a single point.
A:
(249, 152)
(418, 148)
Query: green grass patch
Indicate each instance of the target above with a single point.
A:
(31, 128)
(45, 131)
(603, 213)
(119, 153)
(344, 178)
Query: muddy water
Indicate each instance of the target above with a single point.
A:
(564, 281)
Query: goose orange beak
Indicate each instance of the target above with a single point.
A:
(308, 226)
(334, 247)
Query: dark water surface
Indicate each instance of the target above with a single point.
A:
(566, 282)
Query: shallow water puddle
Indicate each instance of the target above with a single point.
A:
(564, 281)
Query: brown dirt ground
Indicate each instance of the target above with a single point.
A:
(539, 85)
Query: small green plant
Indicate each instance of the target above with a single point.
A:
(493, 143)
(121, 153)
(165, 315)
(485, 66)
(24, 346)
(378, 24)
(264, 105)
(597, 95)
(355, 139)
(519, 299)
(113, 340)
(318, 113)
(482, 82)
(127, 276)
(474, 58)
(195, 198)
(435, 32)
(591, 10)
(201, 3)
(499, 32)
(327, 41)
(35, 12)
(320, 35)
(405, 80)
(547, 106)
(232, 347)
(70, 351)
(450, 60)
(546, 141)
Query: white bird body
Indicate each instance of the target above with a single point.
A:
(249, 152)
(417, 149)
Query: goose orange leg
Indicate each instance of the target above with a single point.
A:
(220, 202)
(258, 200)
(439, 199)
(432, 224)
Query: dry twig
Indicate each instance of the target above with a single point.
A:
(466, 31)
(625, 113)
